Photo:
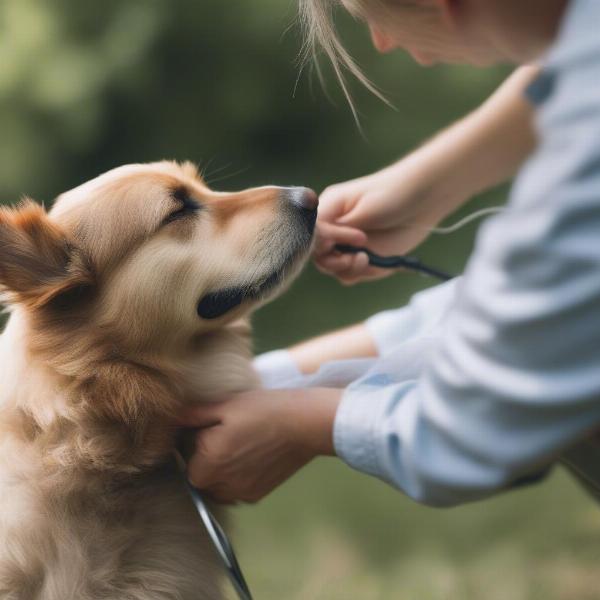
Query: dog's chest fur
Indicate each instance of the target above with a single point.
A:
(82, 534)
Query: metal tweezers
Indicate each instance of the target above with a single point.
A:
(411, 263)
(218, 538)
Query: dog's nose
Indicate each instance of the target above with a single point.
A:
(304, 197)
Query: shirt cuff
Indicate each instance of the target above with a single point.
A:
(276, 368)
(388, 328)
(358, 425)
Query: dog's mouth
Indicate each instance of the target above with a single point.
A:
(216, 304)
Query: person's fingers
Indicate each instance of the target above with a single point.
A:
(333, 202)
(338, 263)
(329, 234)
(350, 268)
(200, 475)
(370, 275)
(208, 477)
(221, 495)
(203, 466)
(201, 415)
(358, 270)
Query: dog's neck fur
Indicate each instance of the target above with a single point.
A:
(86, 408)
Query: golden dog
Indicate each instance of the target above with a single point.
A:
(127, 301)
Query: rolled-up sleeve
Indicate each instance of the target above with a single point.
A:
(422, 317)
(515, 377)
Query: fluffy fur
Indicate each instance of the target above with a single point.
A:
(103, 347)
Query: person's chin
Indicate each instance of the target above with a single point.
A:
(483, 60)
(425, 61)
(474, 60)
(482, 56)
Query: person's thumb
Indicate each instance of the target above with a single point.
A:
(201, 472)
(206, 414)
(329, 235)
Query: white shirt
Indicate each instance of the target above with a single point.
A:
(510, 379)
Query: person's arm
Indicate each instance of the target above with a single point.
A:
(377, 336)
(278, 368)
(352, 342)
(397, 207)
(514, 380)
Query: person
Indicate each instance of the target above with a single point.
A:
(509, 382)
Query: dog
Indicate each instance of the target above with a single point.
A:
(128, 301)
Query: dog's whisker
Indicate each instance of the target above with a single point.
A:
(227, 176)
(207, 175)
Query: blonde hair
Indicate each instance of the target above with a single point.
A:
(320, 35)
(317, 21)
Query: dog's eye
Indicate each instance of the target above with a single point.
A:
(188, 207)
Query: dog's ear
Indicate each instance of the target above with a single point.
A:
(38, 264)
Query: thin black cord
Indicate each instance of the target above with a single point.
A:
(410, 263)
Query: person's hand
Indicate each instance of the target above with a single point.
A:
(251, 442)
(391, 212)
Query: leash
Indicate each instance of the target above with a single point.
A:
(410, 263)
(218, 537)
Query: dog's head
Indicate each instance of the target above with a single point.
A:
(150, 256)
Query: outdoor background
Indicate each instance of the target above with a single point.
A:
(87, 85)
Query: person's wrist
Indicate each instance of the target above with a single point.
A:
(310, 418)
(411, 189)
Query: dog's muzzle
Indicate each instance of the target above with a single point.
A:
(301, 205)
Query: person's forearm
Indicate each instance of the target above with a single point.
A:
(352, 342)
(310, 420)
(483, 149)
(500, 135)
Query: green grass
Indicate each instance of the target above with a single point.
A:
(333, 534)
